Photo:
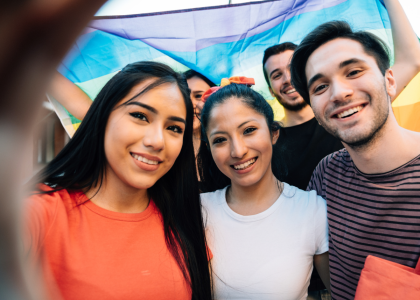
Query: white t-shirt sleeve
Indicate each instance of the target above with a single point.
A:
(321, 226)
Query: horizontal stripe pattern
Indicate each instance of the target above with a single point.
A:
(368, 215)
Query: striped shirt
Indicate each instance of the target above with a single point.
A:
(368, 214)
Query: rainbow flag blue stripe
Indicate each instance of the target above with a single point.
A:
(217, 41)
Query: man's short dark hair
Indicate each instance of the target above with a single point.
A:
(274, 50)
(191, 73)
(324, 33)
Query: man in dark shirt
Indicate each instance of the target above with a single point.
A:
(302, 142)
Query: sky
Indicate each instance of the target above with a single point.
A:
(128, 7)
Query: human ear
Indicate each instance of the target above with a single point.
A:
(390, 83)
(275, 136)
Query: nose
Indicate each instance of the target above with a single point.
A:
(287, 77)
(340, 90)
(238, 148)
(154, 138)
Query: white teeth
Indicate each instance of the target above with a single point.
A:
(350, 111)
(145, 160)
(245, 165)
(291, 91)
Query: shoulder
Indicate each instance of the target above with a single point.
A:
(309, 199)
(42, 211)
(212, 203)
(331, 160)
(47, 202)
(213, 198)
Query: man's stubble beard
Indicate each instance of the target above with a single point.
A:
(365, 141)
(291, 107)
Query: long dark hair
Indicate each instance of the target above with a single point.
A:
(81, 165)
(211, 177)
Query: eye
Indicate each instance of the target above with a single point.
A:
(320, 88)
(218, 140)
(249, 130)
(198, 96)
(354, 72)
(139, 115)
(276, 76)
(175, 129)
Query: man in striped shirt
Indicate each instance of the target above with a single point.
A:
(372, 187)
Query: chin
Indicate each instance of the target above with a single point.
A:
(358, 141)
(294, 105)
(141, 184)
(357, 137)
(245, 182)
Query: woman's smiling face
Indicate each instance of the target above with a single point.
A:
(144, 137)
(240, 142)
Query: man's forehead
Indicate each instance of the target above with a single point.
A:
(279, 60)
(331, 54)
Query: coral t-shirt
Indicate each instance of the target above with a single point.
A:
(92, 253)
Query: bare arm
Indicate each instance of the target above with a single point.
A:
(321, 262)
(69, 95)
(406, 46)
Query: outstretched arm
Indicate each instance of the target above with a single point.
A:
(69, 95)
(406, 46)
(34, 37)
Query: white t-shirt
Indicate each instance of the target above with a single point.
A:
(268, 255)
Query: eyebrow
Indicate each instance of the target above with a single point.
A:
(224, 132)
(349, 62)
(177, 119)
(275, 70)
(313, 79)
(153, 110)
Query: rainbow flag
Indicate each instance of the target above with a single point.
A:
(218, 42)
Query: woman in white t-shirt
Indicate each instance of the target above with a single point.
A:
(265, 235)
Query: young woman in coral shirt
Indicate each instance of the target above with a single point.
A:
(116, 214)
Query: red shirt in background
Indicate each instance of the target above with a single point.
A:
(93, 253)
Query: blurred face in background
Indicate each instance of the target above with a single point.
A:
(277, 68)
(198, 87)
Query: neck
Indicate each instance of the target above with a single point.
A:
(293, 118)
(116, 196)
(251, 200)
(392, 147)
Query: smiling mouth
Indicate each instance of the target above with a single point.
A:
(145, 160)
(290, 91)
(245, 165)
(349, 112)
